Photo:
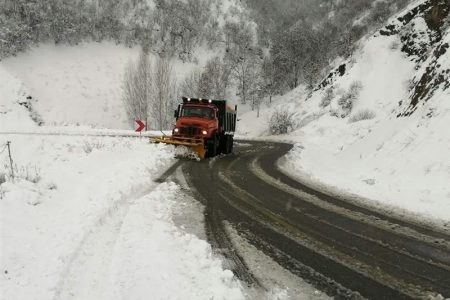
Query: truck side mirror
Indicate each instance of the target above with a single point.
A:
(175, 113)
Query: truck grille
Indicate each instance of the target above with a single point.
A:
(191, 131)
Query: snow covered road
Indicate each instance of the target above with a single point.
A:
(340, 245)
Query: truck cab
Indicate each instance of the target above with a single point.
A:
(196, 120)
(207, 122)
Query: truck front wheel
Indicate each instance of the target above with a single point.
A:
(212, 146)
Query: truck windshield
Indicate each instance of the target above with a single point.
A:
(199, 112)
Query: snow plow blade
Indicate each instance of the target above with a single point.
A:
(195, 145)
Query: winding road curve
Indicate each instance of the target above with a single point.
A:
(343, 248)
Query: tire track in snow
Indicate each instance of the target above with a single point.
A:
(87, 273)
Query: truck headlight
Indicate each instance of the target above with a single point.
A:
(205, 132)
(176, 130)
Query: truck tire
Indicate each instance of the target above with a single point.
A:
(229, 144)
(223, 144)
(212, 147)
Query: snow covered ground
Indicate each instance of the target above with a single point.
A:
(84, 219)
(398, 163)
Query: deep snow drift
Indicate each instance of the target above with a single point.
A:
(399, 158)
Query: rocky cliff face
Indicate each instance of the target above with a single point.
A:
(422, 32)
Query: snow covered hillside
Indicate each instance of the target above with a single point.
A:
(378, 125)
(72, 85)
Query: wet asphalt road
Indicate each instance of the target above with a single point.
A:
(343, 248)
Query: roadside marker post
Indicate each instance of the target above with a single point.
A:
(141, 126)
(8, 144)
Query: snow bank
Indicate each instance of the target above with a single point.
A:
(84, 218)
(187, 271)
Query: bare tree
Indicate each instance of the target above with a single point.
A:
(244, 66)
(214, 80)
(137, 88)
(258, 94)
(268, 82)
(282, 121)
(241, 56)
(164, 94)
(190, 86)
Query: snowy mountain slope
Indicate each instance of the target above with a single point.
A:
(74, 85)
(391, 144)
(82, 84)
(60, 79)
(12, 94)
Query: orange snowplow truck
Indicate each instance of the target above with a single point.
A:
(206, 126)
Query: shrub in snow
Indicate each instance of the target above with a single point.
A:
(281, 121)
(346, 104)
(89, 146)
(52, 186)
(369, 181)
(363, 114)
(335, 113)
(29, 173)
(2, 177)
(327, 97)
(347, 99)
(395, 45)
